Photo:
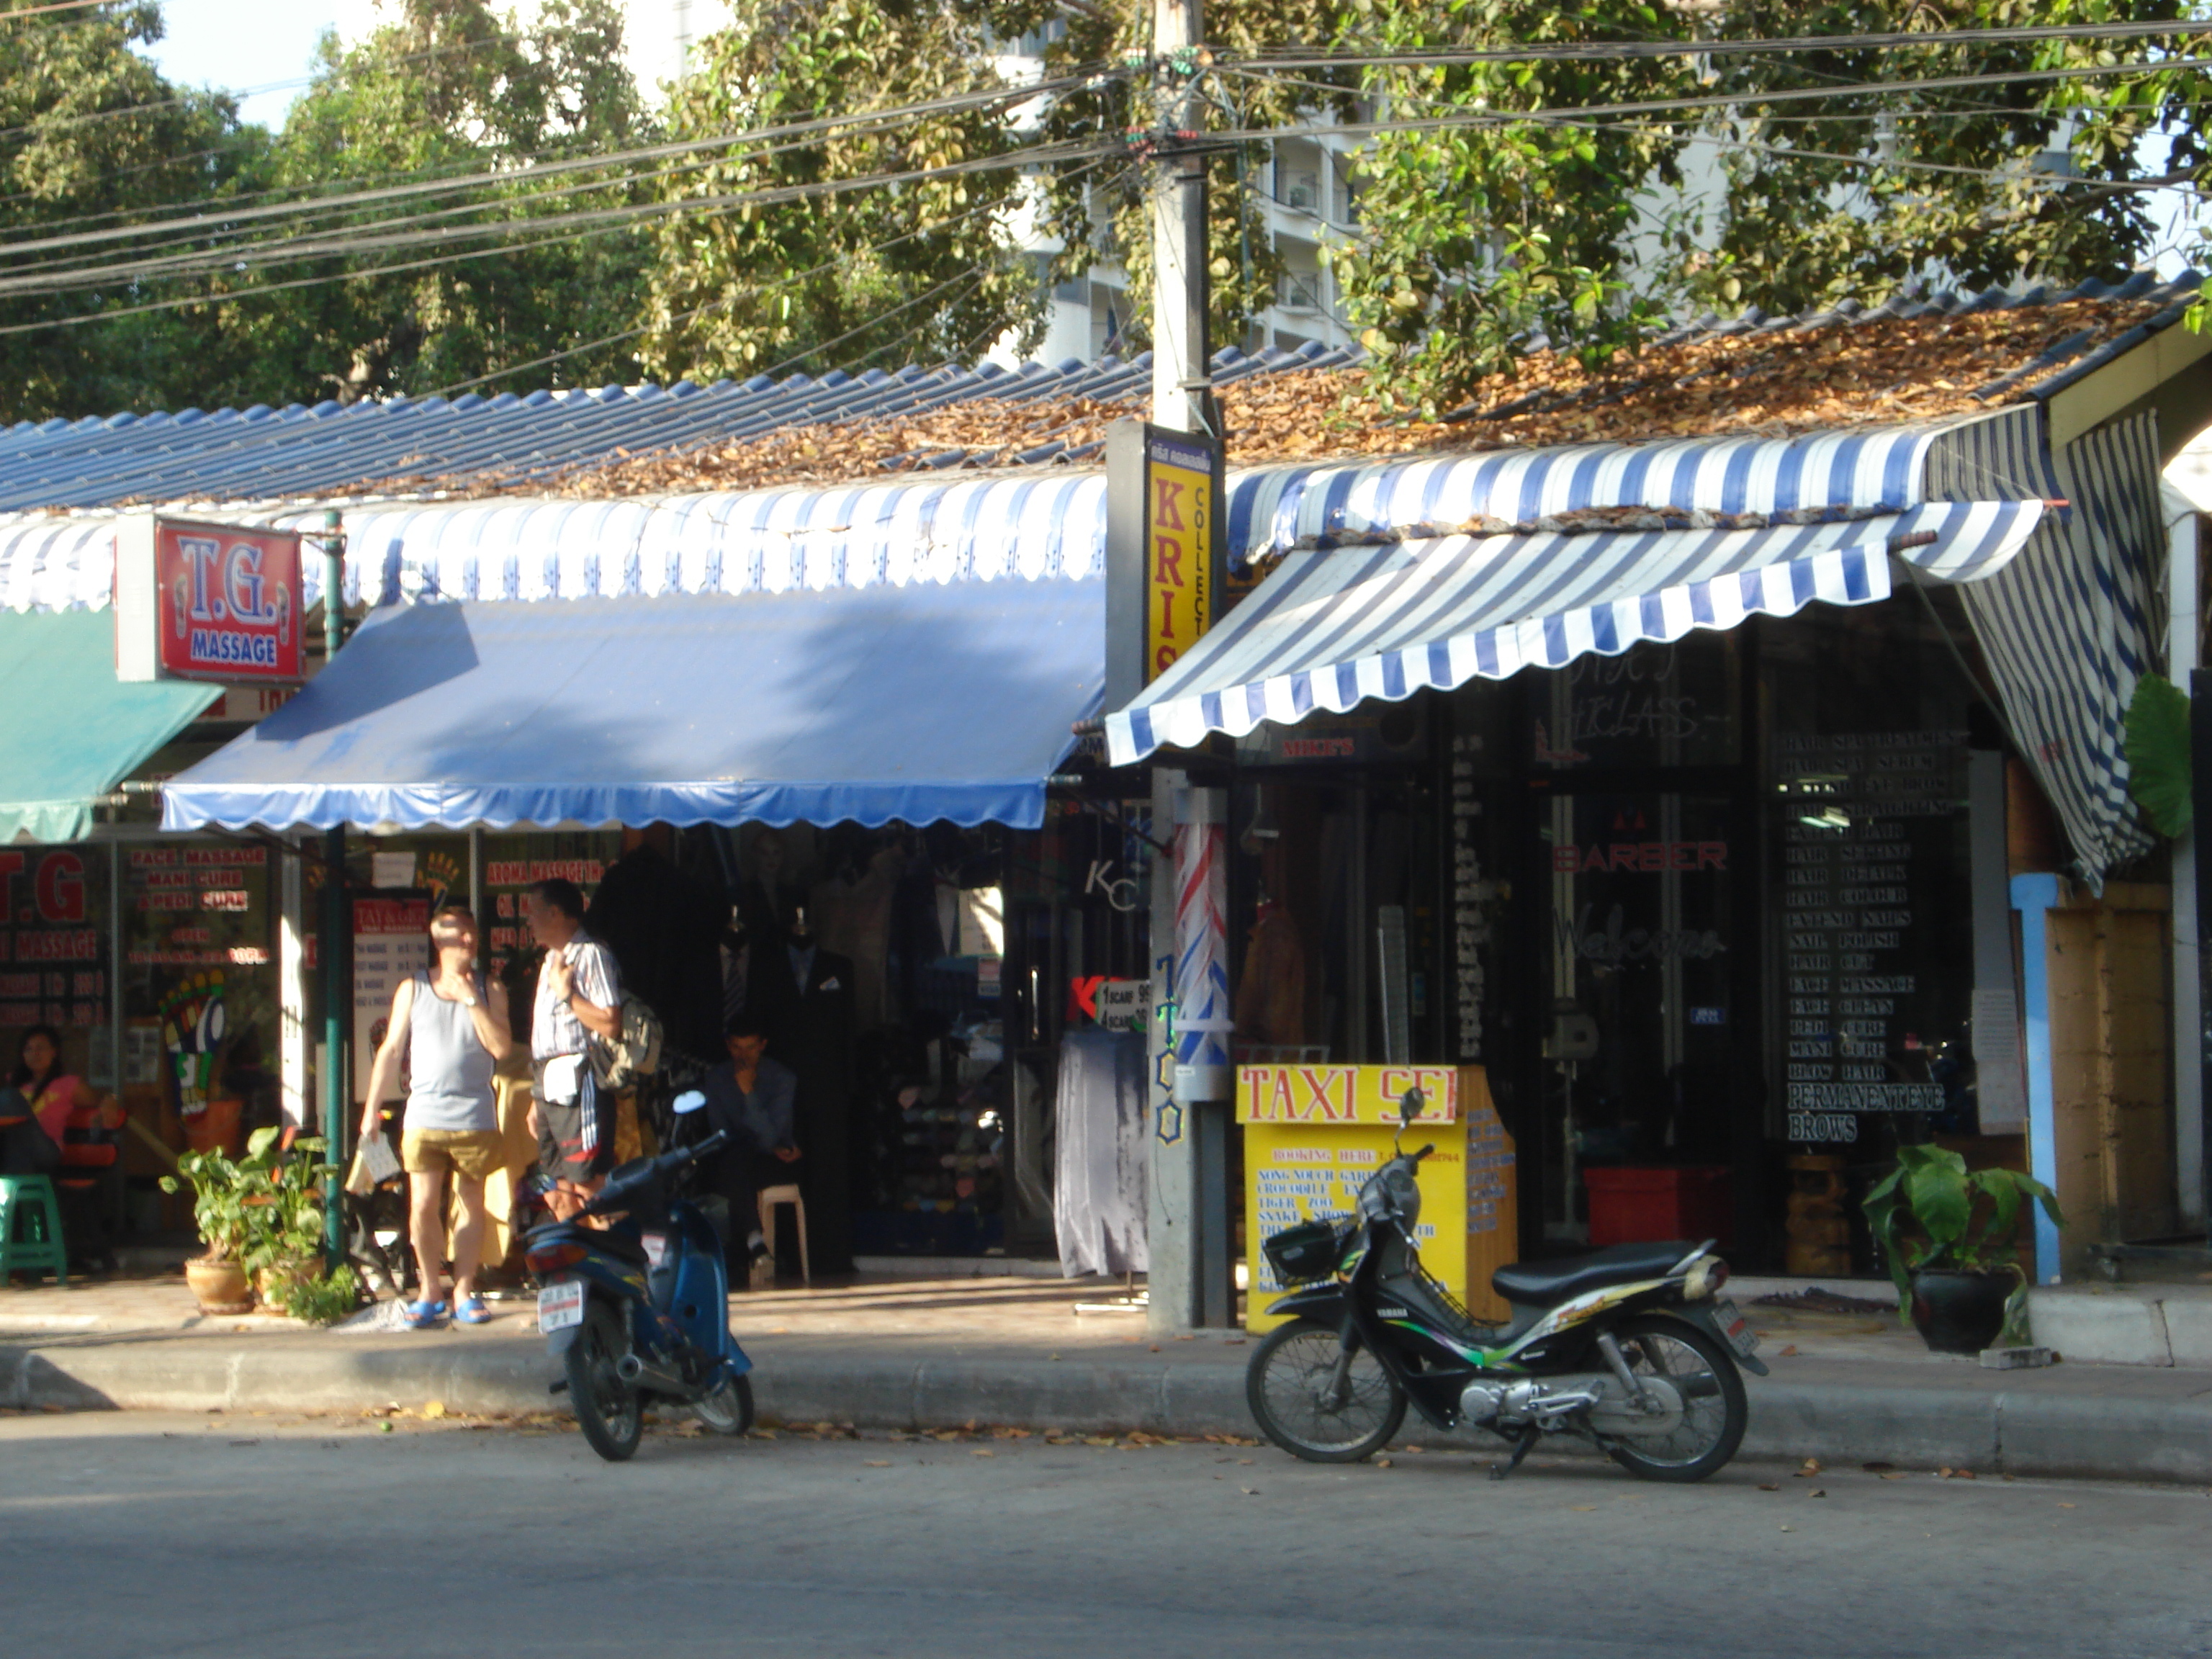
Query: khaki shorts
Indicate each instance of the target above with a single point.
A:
(472, 1154)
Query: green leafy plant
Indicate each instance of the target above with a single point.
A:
(1932, 1215)
(259, 1210)
(2157, 753)
(325, 1299)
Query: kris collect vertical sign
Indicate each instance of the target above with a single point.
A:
(1166, 555)
(206, 602)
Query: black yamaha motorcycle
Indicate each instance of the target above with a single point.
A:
(1626, 1347)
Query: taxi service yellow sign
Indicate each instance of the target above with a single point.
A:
(1344, 1095)
(1313, 1134)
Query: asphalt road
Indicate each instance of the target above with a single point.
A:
(244, 1536)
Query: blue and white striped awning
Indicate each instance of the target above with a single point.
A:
(1332, 628)
(1271, 510)
(940, 527)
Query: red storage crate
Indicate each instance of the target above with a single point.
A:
(1639, 1205)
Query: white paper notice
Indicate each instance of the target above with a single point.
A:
(392, 869)
(1999, 1067)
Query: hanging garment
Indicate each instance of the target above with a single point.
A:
(852, 916)
(805, 999)
(1098, 1188)
(665, 928)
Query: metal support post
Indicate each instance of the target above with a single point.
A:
(336, 981)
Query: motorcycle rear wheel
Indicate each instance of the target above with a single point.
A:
(729, 1409)
(1287, 1383)
(1715, 1411)
(608, 1410)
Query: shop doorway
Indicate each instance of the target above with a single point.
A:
(1640, 961)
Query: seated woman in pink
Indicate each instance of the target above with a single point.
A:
(51, 1092)
(68, 1135)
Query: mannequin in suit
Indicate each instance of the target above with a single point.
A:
(804, 996)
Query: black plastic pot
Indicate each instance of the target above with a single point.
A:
(1960, 1313)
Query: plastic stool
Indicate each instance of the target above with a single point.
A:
(27, 1204)
(770, 1199)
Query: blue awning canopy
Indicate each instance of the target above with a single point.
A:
(870, 704)
(1332, 628)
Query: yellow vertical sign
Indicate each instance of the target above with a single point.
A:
(1179, 536)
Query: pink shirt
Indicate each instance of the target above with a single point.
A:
(53, 1104)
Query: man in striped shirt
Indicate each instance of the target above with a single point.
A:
(579, 999)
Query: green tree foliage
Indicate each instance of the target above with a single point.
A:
(1475, 240)
(92, 135)
(451, 86)
(923, 267)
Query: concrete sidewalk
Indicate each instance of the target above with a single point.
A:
(928, 1354)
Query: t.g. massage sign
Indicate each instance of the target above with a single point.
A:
(206, 602)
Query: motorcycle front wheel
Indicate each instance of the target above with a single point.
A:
(607, 1409)
(729, 1409)
(1714, 1409)
(1292, 1388)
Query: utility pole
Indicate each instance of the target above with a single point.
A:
(338, 1100)
(1182, 399)
(1189, 1080)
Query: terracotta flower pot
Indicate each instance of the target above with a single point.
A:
(1960, 1313)
(221, 1287)
(277, 1283)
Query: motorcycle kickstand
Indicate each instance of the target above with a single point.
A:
(1522, 1448)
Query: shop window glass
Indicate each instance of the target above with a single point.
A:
(1869, 900)
(1656, 705)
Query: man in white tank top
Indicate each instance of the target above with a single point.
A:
(452, 1030)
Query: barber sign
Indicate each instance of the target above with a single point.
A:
(206, 602)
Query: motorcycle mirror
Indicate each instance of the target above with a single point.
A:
(687, 1103)
(1410, 1104)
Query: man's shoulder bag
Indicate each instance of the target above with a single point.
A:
(634, 1050)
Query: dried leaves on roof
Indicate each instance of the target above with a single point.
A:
(1768, 383)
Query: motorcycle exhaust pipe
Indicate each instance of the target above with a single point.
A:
(650, 1378)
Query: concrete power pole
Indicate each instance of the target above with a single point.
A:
(1188, 1280)
(1181, 397)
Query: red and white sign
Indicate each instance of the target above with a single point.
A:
(206, 602)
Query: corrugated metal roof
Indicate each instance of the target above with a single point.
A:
(937, 518)
(264, 455)
(941, 527)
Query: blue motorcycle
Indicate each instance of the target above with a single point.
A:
(638, 1311)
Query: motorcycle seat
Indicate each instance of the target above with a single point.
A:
(1548, 1284)
(608, 1242)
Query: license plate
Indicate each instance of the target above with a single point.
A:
(562, 1305)
(656, 1248)
(1736, 1327)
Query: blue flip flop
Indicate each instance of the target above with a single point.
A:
(471, 1311)
(425, 1315)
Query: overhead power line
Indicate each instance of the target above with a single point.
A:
(508, 177)
(1604, 50)
(818, 188)
(630, 213)
(1726, 100)
(727, 298)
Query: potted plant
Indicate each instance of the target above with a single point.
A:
(286, 1218)
(1949, 1236)
(254, 1214)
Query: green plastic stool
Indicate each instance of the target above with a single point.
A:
(28, 1205)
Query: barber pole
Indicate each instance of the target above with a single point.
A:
(1202, 1068)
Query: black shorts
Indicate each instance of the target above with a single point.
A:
(576, 1141)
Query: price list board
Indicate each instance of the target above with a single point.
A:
(1869, 886)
